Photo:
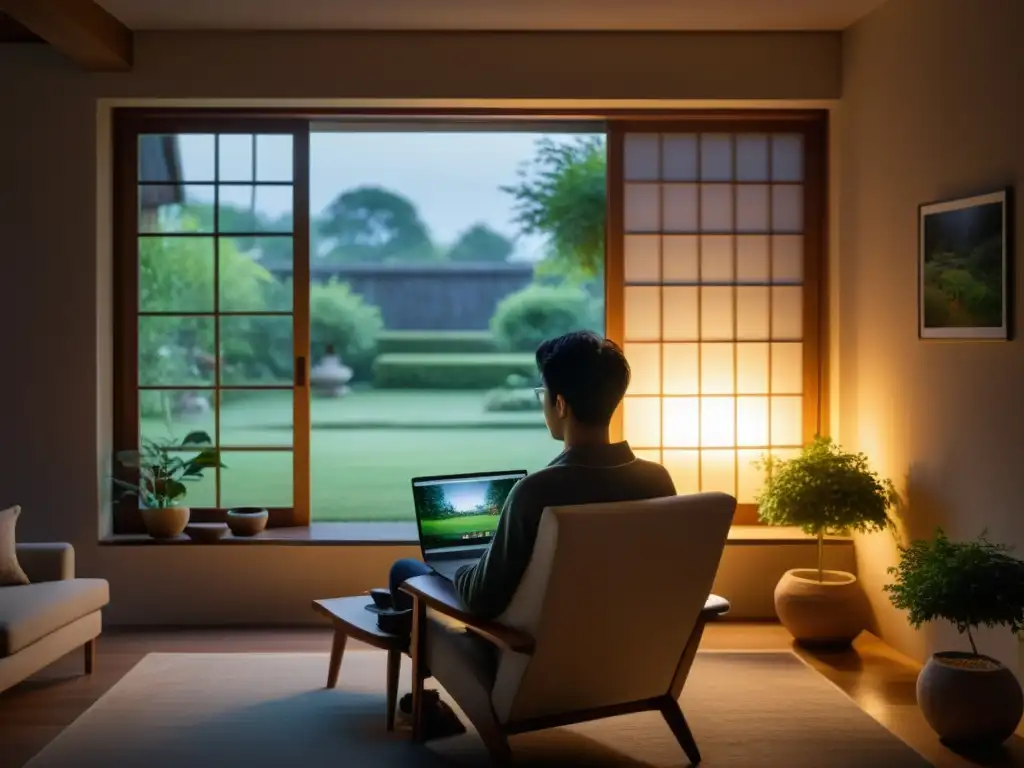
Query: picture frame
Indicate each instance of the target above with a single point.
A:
(965, 268)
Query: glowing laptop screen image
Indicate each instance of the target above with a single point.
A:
(457, 512)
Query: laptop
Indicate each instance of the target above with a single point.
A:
(458, 514)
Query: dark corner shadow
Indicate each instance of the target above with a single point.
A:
(347, 729)
(1009, 754)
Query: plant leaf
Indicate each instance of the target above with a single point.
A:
(197, 438)
(174, 490)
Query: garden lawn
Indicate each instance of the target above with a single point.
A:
(364, 449)
(457, 526)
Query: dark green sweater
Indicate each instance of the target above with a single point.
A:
(591, 475)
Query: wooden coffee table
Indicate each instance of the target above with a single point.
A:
(351, 619)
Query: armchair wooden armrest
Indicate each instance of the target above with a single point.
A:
(439, 594)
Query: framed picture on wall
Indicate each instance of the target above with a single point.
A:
(964, 268)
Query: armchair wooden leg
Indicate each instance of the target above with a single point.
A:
(674, 717)
(90, 656)
(497, 746)
(417, 650)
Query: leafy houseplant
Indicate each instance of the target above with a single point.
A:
(164, 470)
(824, 490)
(965, 697)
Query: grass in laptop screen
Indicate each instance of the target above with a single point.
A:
(461, 512)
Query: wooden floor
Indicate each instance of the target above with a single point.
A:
(880, 680)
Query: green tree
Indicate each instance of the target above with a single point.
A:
(494, 499)
(481, 243)
(372, 224)
(434, 502)
(561, 195)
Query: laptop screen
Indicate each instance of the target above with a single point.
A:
(460, 511)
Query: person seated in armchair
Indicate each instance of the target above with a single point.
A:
(584, 379)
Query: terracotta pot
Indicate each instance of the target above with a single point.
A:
(247, 521)
(166, 522)
(970, 701)
(829, 612)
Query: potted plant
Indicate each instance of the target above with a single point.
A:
(163, 471)
(968, 699)
(825, 490)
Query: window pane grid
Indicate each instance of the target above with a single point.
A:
(713, 258)
(219, 222)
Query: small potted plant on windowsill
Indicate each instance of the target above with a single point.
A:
(969, 699)
(163, 471)
(825, 490)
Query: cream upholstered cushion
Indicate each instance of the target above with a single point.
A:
(30, 612)
(10, 571)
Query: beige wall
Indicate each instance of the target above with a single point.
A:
(55, 284)
(931, 110)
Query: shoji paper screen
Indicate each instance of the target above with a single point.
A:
(714, 317)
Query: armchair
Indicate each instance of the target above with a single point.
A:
(605, 622)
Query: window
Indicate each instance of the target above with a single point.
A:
(205, 331)
(720, 242)
(345, 303)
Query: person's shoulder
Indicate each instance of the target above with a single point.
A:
(651, 467)
(539, 480)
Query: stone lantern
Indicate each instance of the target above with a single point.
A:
(330, 376)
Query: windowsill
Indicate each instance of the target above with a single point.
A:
(405, 534)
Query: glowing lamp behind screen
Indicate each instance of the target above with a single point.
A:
(713, 310)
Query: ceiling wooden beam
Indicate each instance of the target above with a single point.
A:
(79, 29)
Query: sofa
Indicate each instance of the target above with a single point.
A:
(53, 615)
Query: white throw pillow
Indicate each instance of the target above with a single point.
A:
(11, 573)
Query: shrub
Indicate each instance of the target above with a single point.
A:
(518, 381)
(512, 401)
(968, 584)
(436, 342)
(176, 275)
(481, 371)
(522, 320)
(340, 318)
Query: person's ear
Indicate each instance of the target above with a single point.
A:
(561, 407)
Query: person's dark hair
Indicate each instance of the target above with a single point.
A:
(589, 371)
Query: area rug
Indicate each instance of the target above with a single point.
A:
(255, 710)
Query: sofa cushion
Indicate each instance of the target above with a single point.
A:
(10, 569)
(32, 611)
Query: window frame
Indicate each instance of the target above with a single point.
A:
(129, 123)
